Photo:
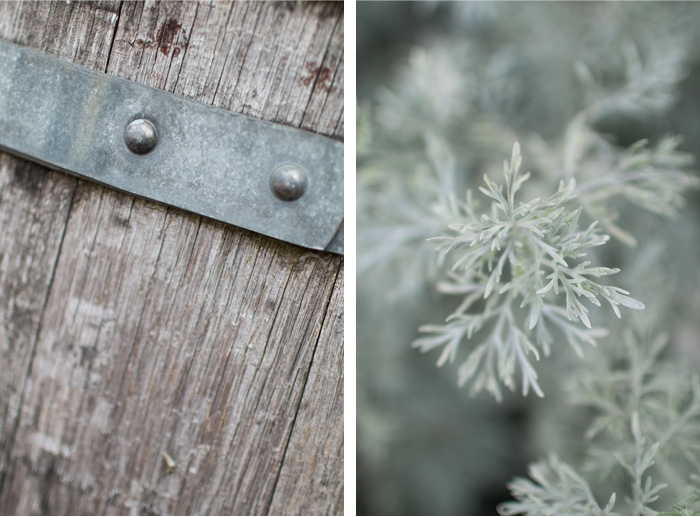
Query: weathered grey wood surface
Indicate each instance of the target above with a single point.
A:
(128, 329)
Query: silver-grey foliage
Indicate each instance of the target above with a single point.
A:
(500, 268)
(528, 256)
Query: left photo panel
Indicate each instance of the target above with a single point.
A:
(171, 258)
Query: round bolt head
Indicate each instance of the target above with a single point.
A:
(141, 136)
(288, 182)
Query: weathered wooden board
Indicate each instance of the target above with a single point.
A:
(128, 329)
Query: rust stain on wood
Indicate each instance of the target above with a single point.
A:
(166, 35)
(321, 74)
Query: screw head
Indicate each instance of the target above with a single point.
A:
(288, 182)
(141, 136)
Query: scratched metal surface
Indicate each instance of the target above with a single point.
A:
(207, 160)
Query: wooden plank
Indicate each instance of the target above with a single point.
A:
(311, 461)
(30, 238)
(149, 330)
(34, 208)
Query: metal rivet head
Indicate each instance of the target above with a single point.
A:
(141, 136)
(288, 182)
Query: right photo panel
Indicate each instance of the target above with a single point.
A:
(528, 295)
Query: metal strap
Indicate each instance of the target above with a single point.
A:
(179, 152)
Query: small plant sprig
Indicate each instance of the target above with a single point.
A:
(652, 178)
(645, 428)
(525, 257)
(556, 489)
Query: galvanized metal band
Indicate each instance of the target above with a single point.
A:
(201, 159)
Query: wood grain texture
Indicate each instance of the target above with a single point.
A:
(128, 329)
